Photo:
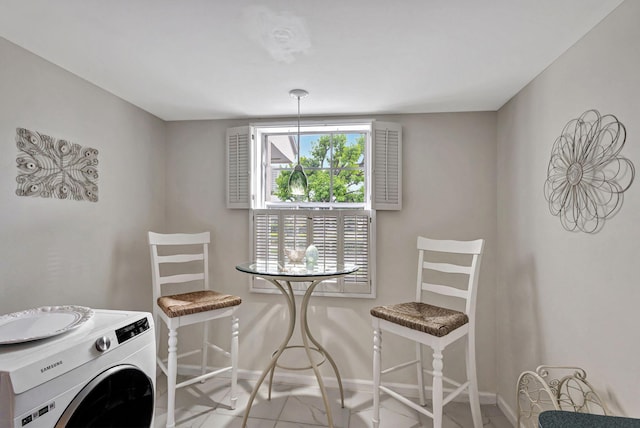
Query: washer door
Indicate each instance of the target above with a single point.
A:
(119, 397)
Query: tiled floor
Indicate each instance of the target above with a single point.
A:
(207, 405)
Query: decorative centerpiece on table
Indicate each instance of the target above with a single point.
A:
(311, 255)
(295, 255)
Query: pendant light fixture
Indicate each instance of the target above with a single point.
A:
(298, 179)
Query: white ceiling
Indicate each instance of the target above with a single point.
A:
(214, 59)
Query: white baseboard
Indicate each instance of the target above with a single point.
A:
(365, 385)
(507, 410)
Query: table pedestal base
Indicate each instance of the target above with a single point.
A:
(307, 337)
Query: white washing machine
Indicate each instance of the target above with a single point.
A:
(101, 374)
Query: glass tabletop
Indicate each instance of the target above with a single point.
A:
(293, 271)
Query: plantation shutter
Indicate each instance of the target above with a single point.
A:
(387, 166)
(356, 245)
(325, 238)
(238, 167)
(265, 241)
(341, 237)
(294, 233)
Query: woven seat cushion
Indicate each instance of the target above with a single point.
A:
(194, 302)
(429, 319)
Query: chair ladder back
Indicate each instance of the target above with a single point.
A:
(155, 273)
(179, 239)
(450, 246)
(473, 287)
(473, 248)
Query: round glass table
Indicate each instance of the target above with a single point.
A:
(282, 275)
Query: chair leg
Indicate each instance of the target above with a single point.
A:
(172, 372)
(235, 328)
(205, 348)
(438, 365)
(377, 349)
(474, 399)
(420, 375)
(156, 321)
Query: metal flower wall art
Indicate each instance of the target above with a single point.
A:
(52, 168)
(586, 176)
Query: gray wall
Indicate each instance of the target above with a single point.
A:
(570, 298)
(54, 251)
(449, 163)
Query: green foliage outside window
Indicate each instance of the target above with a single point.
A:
(346, 166)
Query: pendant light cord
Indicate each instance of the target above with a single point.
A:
(298, 182)
(298, 130)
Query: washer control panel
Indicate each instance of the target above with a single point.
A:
(132, 330)
(37, 413)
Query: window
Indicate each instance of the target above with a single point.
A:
(352, 169)
(334, 163)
